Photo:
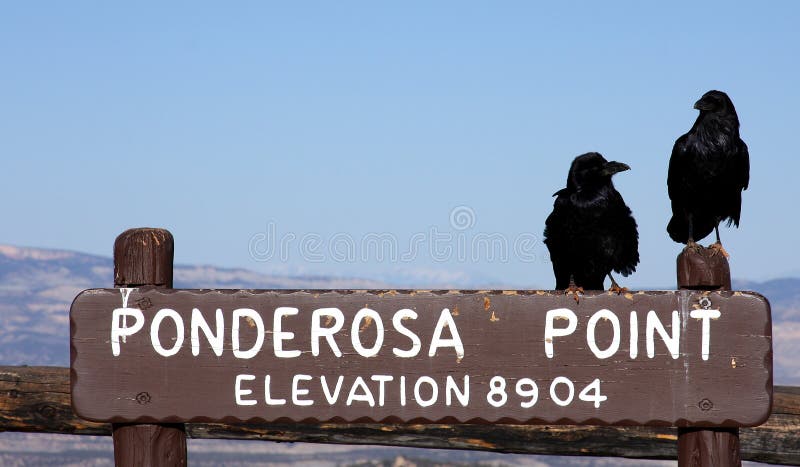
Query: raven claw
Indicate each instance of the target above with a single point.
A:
(616, 288)
(575, 291)
(718, 248)
(694, 246)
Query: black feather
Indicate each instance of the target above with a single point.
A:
(591, 231)
(708, 170)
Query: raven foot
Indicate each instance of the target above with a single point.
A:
(616, 288)
(694, 246)
(718, 248)
(575, 291)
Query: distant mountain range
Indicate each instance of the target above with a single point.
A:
(37, 287)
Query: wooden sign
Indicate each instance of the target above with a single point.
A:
(678, 358)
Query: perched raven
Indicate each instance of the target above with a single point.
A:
(591, 231)
(708, 170)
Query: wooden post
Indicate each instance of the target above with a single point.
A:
(706, 269)
(143, 257)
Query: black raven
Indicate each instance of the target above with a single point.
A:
(708, 170)
(591, 231)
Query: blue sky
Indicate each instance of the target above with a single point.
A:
(337, 120)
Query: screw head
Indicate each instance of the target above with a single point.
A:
(705, 405)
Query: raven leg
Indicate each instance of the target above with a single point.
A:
(690, 243)
(615, 287)
(717, 247)
(573, 289)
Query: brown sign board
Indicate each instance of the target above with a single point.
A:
(681, 358)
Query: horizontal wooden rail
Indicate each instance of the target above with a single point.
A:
(37, 399)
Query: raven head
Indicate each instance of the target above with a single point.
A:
(715, 102)
(592, 170)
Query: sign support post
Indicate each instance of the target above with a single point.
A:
(143, 257)
(706, 269)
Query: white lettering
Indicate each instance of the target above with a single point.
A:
(119, 326)
(532, 393)
(591, 393)
(397, 322)
(551, 331)
(243, 392)
(297, 391)
(382, 379)
(331, 398)
(366, 396)
(446, 321)
(672, 342)
(254, 320)
(268, 397)
(155, 326)
(634, 342)
(451, 388)
(355, 332)
(434, 391)
(279, 335)
(590, 333)
(214, 340)
(570, 387)
(318, 331)
(706, 316)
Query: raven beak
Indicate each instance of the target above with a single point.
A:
(613, 167)
(702, 105)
